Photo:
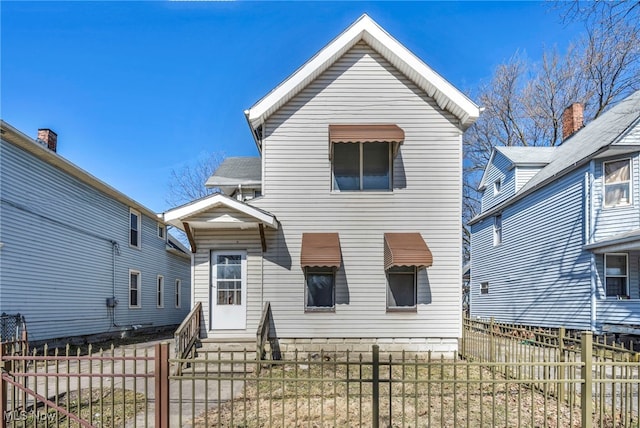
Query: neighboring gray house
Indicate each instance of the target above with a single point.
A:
(77, 257)
(355, 238)
(558, 240)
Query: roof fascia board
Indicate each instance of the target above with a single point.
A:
(368, 30)
(517, 197)
(197, 207)
(21, 140)
(483, 184)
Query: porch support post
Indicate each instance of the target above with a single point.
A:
(189, 233)
(263, 240)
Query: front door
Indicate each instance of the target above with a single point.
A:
(228, 290)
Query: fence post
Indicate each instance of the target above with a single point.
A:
(3, 391)
(162, 385)
(492, 344)
(561, 360)
(375, 405)
(586, 393)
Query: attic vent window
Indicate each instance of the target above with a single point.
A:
(497, 186)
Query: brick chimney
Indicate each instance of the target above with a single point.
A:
(572, 120)
(49, 138)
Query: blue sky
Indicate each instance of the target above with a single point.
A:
(135, 89)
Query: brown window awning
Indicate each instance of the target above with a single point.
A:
(406, 249)
(320, 250)
(365, 133)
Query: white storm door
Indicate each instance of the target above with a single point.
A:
(228, 290)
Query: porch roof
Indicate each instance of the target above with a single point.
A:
(219, 211)
(628, 241)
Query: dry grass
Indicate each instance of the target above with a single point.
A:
(443, 394)
(103, 410)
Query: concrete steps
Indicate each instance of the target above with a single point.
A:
(222, 358)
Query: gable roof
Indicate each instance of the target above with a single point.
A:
(589, 142)
(237, 170)
(444, 93)
(519, 156)
(524, 156)
(28, 144)
(177, 215)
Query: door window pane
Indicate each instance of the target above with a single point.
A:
(229, 279)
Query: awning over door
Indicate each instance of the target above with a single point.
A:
(320, 250)
(365, 133)
(406, 249)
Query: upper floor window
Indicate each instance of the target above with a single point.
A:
(362, 166)
(616, 274)
(497, 186)
(617, 183)
(161, 231)
(362, 156)
(134, 228)
(497, 229)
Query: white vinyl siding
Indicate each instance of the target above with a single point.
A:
(361, 88)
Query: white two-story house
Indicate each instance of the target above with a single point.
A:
(353, 231)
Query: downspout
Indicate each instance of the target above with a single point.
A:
(590, 230)
(115, 251)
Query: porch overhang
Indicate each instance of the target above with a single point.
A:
(628, 241)
(219, 212)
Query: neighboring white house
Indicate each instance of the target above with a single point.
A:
(557, 243)
(354, 234)
(77, 257)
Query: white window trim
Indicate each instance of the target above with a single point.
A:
(415, 292)
(139, 230)
(160, 291)
(626, 275)
(497, 187)
(162, 231)
(484, 287)
(178, 293)
(307, 308)
(139, 290)
(497, 232)
(361, 152)
(604, 185)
